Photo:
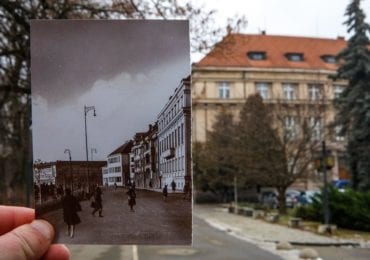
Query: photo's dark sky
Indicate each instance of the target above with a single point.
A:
(127, 69)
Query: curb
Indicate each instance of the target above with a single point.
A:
(319, 244)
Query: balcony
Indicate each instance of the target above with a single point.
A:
(168, 154)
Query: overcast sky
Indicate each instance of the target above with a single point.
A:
(126, 69)
(315, 18)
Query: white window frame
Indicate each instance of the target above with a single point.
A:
(263, 89)
(290, 127)
(338, 89)
(289, 90)
(314, 92)
(316, 128)
(338, 136)
(224, 90)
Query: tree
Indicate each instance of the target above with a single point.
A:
(215, 170)
(275, 143)
(353, 105)
(15, 118)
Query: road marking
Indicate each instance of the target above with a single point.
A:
(177, 252)
(135, 253)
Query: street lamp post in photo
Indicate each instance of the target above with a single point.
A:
(93, 150)
(70, 167)
(86, 110)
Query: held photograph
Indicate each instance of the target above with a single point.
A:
(111, 130)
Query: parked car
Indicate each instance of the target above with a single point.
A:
(270, 198)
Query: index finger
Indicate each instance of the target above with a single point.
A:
(12, 217)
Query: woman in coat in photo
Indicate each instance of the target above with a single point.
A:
(98, 202)
(70, 206)
(131, 197)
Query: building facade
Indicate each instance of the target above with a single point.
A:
(174, 138)
(117, 171)
(293, 71)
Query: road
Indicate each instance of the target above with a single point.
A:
(209, 243)
(153, 222)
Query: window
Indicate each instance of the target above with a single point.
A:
(314, 92)
(224, 90)
(338, 89)
(182, 133)
(257, 55)
(329, 59)
(294, 56)
(338, 133)
(114, 159)
(263, 88)
(289, 90)
(292, 167)
(290, 127)
(315, 125)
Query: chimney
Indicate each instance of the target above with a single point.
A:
(263, 32)
(340, 38)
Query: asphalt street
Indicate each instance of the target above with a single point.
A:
(209, 243)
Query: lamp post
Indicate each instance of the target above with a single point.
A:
(323, 164)
(93, 150)
(86, 110)
(70, 167)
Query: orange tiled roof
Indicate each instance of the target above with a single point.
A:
(232, 51)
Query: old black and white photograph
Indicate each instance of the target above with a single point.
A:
(111, 130)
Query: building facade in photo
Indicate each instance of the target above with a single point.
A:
(174, 138)
(137, 163)
(71, 174)
(294, 71)
(117, 170)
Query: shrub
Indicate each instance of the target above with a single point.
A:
(348, 209)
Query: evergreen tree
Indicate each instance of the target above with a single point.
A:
(353, 105)
(214, 165)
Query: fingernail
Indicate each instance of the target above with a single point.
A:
(44, 228)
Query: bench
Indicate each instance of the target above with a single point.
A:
(272, 217)
(295, 222)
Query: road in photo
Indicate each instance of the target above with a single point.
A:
(154, 221)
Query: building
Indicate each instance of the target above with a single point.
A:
(117, 170)
(174, 137)
(137, 162)
(144, 159)
(282, 69)
(70, 174)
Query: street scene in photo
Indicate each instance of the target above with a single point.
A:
(111, 111)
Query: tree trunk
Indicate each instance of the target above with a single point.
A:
(281, 199)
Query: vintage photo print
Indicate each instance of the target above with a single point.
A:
(111, 130)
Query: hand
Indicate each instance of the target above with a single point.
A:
(24, 238)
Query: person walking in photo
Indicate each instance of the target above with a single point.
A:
(173, 185)
(165, 192)
(98, 202)
(131, 198)
(70, 208)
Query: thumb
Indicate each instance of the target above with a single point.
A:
(27, 242)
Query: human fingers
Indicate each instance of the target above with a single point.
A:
(12, 217)
(57, 252)
(27, 242)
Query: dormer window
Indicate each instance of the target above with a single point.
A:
(257, 55)
(329, 59)
(294, 56)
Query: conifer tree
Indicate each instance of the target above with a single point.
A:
(214, 161)
(353, 105)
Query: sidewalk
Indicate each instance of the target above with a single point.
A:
(262, 233)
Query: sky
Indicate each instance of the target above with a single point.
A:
(127, 70)
(313, 18)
